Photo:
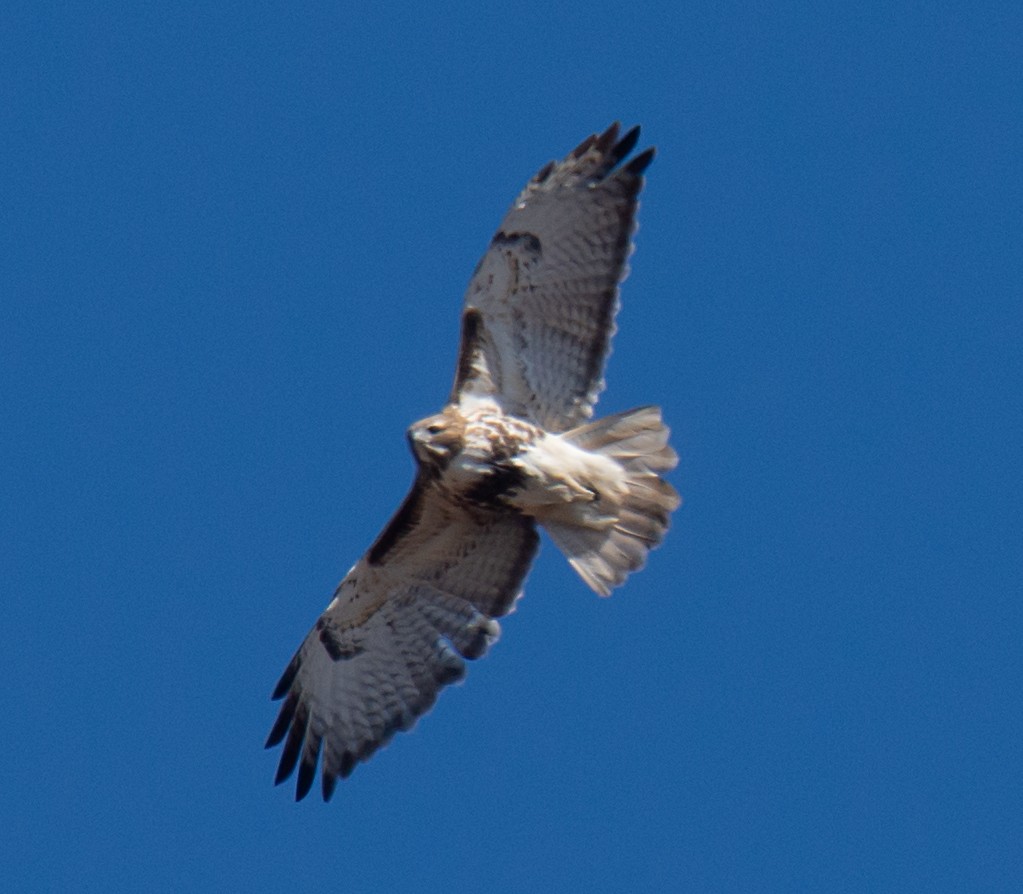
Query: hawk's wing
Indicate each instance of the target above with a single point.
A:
(539, 311)
(422, 598)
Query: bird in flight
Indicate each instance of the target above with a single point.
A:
(512, 450)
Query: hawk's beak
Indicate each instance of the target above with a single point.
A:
(430, 447)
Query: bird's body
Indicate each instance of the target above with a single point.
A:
(512, 449)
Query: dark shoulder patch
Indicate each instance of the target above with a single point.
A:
(488, 491)
(401, 523)
(472, 331)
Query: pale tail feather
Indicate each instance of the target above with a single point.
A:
(638, 441)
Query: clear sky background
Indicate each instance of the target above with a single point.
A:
(234, 239)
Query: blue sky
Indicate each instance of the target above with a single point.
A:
(233, 244)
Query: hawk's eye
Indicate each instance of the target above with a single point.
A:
(435, 429)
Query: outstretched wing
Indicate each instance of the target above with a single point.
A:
(422, 599)
(539, 311)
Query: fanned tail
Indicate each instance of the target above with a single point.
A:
(637, 441)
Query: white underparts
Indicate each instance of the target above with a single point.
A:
(598, 492)
(564, 483)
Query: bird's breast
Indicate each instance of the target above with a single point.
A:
(484, 471)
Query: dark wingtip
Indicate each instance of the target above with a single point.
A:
(603, 141)
(293, 746)
(583, 146)
(287, 678)
(348, 761)
(306, 776)
(544, 172)
(641, 162)
(608, 138)
(626, 144)
(329, 783)
(304, 783)
(283, 721)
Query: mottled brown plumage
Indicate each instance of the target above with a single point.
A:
(512, 450)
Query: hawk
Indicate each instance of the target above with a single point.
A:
(512, 450)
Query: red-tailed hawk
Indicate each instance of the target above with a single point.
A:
(511, 450)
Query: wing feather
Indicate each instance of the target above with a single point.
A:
(422, 600)
(539, 311)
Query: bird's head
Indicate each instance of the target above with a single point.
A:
(437, 438)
